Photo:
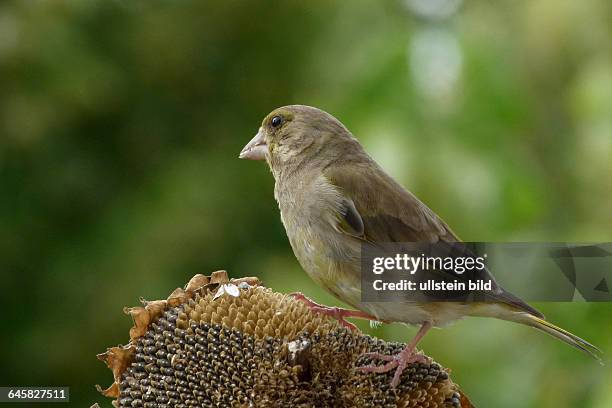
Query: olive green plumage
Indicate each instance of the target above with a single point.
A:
(333, 197)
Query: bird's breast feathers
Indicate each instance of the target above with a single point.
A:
(310, 219)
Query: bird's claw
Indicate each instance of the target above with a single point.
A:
(398, 361)
(335, 312)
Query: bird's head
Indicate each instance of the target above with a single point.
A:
(293, 134)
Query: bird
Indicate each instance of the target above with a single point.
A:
(333, 197)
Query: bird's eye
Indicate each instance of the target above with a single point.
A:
(276, 121)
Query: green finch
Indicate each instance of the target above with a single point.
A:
(333, 197)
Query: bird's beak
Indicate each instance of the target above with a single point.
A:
(256, 149)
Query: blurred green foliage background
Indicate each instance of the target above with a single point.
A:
(121, 122)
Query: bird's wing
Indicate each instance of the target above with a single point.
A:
(376, 209)
(389, 213)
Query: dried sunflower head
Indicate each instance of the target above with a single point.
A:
(235, 343)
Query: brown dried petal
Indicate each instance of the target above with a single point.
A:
(219, 277)
(197, 282)
(141, 318)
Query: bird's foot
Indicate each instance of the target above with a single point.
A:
(397, 361)
(334, 312)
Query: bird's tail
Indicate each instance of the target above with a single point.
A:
(559, 333)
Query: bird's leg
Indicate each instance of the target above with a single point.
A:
(335, 312)
(401, 360)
